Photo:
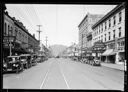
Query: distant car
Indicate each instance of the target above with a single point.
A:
(14, 64)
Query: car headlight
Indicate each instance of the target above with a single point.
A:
(5, 65)
(15, 65)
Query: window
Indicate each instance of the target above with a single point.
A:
(105, 25)
(113, 34)
(101, 28)
(105, 37)
(114, 20)
(120, 17)
(120, 32)
(102, 38)
(109, 36)
(5, 29)
(109, 22)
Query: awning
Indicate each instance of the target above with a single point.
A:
(107, 52)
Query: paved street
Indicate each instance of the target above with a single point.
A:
(59, 73)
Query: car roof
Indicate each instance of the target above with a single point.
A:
(25, 55)
(13, 56)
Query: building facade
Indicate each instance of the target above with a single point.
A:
(85, 30)
(111, 30)
(16, 38)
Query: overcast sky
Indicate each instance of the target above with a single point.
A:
(59, 22)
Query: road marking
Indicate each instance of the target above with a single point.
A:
(64, 78)
(45, 76)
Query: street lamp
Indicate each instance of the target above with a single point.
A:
(10, 39)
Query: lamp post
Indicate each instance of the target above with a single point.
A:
(11, 39)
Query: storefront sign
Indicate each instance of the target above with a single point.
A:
(99, 47)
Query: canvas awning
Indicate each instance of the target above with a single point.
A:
(107, 52)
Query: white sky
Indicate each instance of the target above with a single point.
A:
(59, 22)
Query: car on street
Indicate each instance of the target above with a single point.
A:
(33, 60)
(4, 66)
(95, 62)
(14, 64)
(24, 60)
(38, 59)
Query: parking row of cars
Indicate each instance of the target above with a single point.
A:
(94, 61)
(20, 62)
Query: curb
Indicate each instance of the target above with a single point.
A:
(112, 68)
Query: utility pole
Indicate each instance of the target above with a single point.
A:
(46, 41)
(39, 32)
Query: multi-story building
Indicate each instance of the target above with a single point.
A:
(33, 44)
(85, 29)
(111, 30)
(16, 38)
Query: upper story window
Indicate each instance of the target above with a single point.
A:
(5, 30)
(120, 17)
(120, 32)
(113, 34)
(104, 37)
(101, 28)
(105, 25)
(109, 35)
(114, 20)
(109, 22)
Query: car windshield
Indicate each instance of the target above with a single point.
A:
(23, 57)
(12, 59)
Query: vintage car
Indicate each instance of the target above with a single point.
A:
(33, 60)
(38, 59)
(95, 62)
(4, 66)
(24, 60)
(14, 64)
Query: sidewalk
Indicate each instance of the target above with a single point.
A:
(114, 66)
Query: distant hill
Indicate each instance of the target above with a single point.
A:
(56, 49)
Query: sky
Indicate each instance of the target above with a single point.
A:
(59, 22)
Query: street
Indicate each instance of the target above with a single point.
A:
(60, 73)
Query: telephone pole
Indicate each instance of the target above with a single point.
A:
(39, 32)
(46, 41)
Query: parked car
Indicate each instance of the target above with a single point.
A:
(38, 59)
(33, 60)
(95, 62)
(4, 66)
(14, 64)
(24, 60)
